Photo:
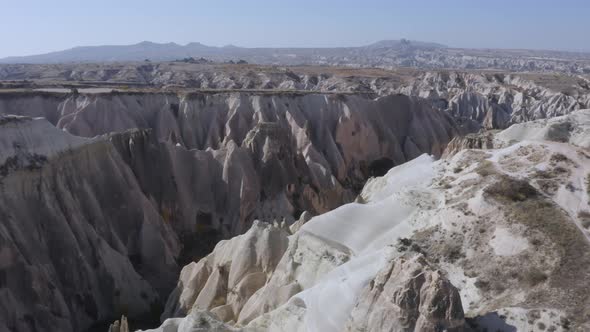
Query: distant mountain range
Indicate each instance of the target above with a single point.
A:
(385, 54)
(173, 51)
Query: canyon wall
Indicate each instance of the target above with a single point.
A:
(104, 198)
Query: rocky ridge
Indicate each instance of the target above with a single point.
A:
(75, 248)
(492, 100)
(427, 247)
(495, 101)
(319, 149)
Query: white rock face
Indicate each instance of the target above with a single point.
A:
(428, 247)
(506, 243)
(120, 326)
(223, 281)
(407, 296)
(494, 101)
(572, 128)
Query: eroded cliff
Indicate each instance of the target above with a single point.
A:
(95, 227)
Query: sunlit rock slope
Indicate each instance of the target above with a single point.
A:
(482, 240)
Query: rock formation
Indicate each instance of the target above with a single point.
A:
(95, 227)
(80, 242)
(492, 100)
(106, 197)
(223, 281)
(120, 326)
(318, 149)
(425, 249)
(495, 101)
(408, 296)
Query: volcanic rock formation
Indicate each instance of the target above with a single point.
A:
(495, 101)
(80, 241)
(314, 150)
(492, 100)
(95, 227)
(423, 300)
(426, 248)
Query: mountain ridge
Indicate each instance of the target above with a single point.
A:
(385, 54)
(53, 57)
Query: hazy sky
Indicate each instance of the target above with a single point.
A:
(38, 26)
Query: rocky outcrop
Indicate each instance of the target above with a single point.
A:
(303, 219)
(197, 321)
(495, 101)
(477, 107)
(483, 141)
(408, 295)
(572, 128)
(307, 259)
(120, 326)
(224, 281)
(79, 241)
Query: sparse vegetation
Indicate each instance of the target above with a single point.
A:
(559, 157)
(584, 217)
(194, 61)
(565, 323)
(551, 173)
(559, 132)
(533, 316)
(486, 168)
(452, 253)
(534, 277)
(545, 218)
(549, 187)
(510, 189)
(482, 285)
(403, 244)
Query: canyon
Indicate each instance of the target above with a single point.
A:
(257, 198)
(114, 209)
(489, 239)
(492, 99)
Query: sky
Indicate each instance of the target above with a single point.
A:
(39, 26)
